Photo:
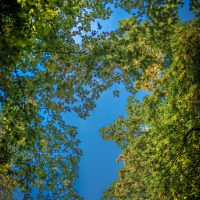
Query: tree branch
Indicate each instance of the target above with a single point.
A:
(188, 133)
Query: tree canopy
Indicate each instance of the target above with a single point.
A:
(160, 137)
(45, 71)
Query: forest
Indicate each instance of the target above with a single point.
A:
(45, 72)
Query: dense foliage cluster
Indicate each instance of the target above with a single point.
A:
(160, 137)
(45, 71)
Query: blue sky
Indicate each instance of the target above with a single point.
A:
(98, 167)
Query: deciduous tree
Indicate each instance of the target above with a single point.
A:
(160, 137)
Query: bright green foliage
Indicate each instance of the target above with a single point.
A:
(43, 26)
(160, 138)
(44, 73)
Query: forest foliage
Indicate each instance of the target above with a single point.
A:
(44, 72)
(160, 137)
